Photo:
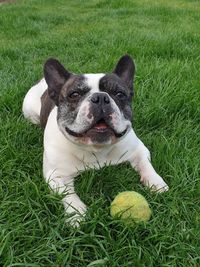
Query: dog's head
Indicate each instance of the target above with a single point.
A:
(93, 109)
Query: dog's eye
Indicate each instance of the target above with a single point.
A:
(120, 94)
(74, 95)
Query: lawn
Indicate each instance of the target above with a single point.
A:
(89, 36)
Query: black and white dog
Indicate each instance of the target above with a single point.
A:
(87, 122)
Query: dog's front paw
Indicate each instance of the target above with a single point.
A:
(75, 220)
(76, 215)
(155, 182)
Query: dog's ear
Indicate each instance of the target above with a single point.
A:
(125, 69)
(56, 76)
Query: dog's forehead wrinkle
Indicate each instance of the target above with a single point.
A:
(111, 82)
(75, 81)
(80, 83)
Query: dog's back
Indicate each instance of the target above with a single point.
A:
(32, 104)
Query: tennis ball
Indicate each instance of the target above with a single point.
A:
(130, 207)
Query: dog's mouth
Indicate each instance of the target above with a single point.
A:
(101, 127)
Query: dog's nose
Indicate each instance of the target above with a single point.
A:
(100, 98)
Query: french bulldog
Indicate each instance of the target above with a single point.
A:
(87, 123)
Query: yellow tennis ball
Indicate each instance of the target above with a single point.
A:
(130, 207)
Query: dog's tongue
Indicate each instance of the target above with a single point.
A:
(101, 126)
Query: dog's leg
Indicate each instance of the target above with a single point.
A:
(72, 203)
(141, 162)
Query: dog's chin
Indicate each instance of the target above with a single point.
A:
(99, 134)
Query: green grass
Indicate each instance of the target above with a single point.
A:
(90, 36)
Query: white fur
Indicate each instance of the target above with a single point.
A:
(63, 159)
(92, 81)
(32, 102)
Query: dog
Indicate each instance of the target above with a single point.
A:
(87, 123)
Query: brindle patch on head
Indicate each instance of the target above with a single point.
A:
(75, 82)
(120, 93)
(71, 96)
